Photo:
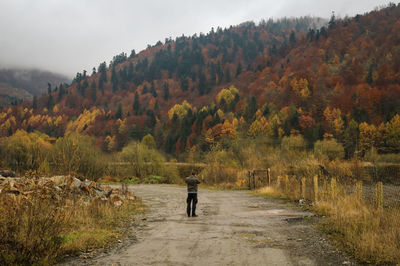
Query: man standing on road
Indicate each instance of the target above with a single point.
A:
(192, 182)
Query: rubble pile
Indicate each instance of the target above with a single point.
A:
(62, 187)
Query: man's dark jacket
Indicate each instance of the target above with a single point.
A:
(192, 182)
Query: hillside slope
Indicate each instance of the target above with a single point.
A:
(274, 79)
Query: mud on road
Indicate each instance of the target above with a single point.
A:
(232, 228)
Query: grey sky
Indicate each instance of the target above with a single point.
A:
(67, 36)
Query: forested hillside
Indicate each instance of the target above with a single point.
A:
(278, 78)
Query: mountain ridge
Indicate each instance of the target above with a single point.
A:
(273, 79)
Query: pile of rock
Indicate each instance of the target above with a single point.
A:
(63, 187)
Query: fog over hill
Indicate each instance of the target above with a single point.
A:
(19, 83)
(69, 36)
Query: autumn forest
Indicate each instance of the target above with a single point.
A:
(323, 80)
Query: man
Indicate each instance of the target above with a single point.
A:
(192, 182)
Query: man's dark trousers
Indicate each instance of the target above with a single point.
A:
(192, 197)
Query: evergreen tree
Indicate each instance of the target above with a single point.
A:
(93, 94)
(292, 38)
(202, 84)
(34, 103)
(184, 83)
(369, 78)
(130, 71)
(136, 104)
(156, 107)
(250, 110)
(118, 114)
(83, 87)
(50, 102)
(153, 90)
(61, 93)
(133, 54)
(166, 91)
(239, 69)
(151, 119)
(114, 79)
(145, 90)
(103, 72)
(332, 21)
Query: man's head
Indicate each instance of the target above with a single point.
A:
(193, 173)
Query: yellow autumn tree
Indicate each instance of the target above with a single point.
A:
(334, 120)
(228, 95)
(368, 135)
(393, 134)
(300, 87)
(228, 129)
(25, 151)
(84, 120)
(180, 110)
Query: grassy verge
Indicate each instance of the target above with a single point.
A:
(97, 225)
(40, 230)
(372, 236)
(269, 192)
(222, 186)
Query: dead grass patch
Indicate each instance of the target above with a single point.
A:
(269, 192)
(372, 236)
(40, 230)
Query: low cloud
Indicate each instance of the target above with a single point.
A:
(69, 36)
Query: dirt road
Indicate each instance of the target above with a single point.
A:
(233, 228)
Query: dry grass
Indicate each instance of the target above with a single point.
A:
(269, 192)
(372, 236)
(40, 230)
(97, 224)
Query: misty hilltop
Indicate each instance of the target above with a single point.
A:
(22, 84)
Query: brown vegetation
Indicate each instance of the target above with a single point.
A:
(43, 220)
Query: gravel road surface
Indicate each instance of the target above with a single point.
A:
(232, 228)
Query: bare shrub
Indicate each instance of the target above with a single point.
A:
(30, 229)
(329, 148)
(77, 154)
(145, 162)
(372, 235)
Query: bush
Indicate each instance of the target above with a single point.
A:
(76, 154)
(30, 230)
(25, 151)
(144, 162)
(293, 143)
(330, 149)
(221, 167)
(38, 229)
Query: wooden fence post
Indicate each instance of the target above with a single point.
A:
(286, 184)
(278, 182)
(359, 191)
(248, 174)
(333, 188)
(269, 177)
(303, 187)
(379, 196)
(315, 188)
(254, 179)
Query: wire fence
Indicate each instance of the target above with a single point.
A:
(320, 187)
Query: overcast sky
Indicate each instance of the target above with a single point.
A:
(67, 36)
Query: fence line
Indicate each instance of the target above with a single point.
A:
(321, 188)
